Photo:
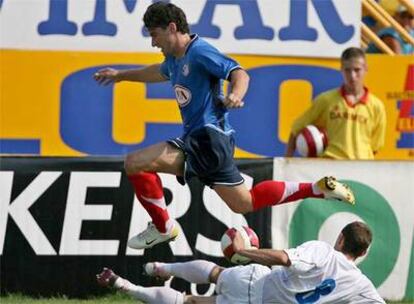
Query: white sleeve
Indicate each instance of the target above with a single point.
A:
(307, 256)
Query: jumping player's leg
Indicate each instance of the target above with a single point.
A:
(210, 155)
(270, 193)
(141, 167)
(162, 157)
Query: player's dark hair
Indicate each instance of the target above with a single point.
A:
(161, 14)
(357, 238)
(352, 52)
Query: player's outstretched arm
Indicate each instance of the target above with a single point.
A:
(268, 257)
(149, 73)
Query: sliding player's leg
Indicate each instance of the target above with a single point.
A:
(197, 271)
(151, 295)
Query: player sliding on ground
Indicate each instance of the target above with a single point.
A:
(314, 272)
(196, 70)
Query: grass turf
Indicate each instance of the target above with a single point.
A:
(21, 299)
(115, 298)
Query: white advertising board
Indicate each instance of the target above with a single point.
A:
(317, 28)
(384, 200)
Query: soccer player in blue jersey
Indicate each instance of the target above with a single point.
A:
(196, 70)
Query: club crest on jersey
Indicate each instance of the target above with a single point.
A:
(186, 69)
(183, 95)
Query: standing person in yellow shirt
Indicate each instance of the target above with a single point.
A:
(354, 119)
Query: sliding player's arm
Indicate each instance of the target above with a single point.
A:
(268, 257)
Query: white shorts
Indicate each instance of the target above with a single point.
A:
(241, 284)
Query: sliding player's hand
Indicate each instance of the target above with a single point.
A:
(238, 242)
(233, 101)
(106, 76)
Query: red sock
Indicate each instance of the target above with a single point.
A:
(148, 189)
(270, 193)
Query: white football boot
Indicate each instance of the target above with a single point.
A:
(151, 236)
(332, 189)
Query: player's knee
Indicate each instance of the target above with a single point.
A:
(214, 274)
(132, 164)
(128, 165)
(240, 207)
(237, 209)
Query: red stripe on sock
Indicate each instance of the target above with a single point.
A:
(148, 184)
(270, 193)
(305, 191)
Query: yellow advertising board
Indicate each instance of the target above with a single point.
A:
(51, 106)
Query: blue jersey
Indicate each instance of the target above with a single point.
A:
(197, 79)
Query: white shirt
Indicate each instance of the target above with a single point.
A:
(319, 274)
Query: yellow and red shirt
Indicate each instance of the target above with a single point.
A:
(355, 131)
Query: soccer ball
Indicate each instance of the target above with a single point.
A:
(250, 241)
(311, 141)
